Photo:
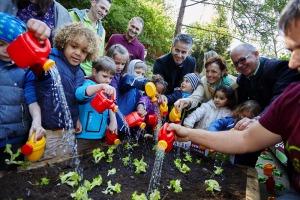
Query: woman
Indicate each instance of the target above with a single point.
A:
(216, 74)
(48, 11)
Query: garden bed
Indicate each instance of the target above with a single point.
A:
(234, 180)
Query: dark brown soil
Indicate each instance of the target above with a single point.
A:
(232, 181)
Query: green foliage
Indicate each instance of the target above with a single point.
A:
(71, 178)
(13, 157)
(136, 196)
(175, 185)
(43, 181)
(111, 172)
(140, 165)
(81, 192)
(188, 157)
(214, 36)
(218, 170)
(98, 155)
(155, 195)
(182, 168)
(126, 160)
(212, 185)
(112, 188)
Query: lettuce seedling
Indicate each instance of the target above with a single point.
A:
(212, 185)
(175, 185)
(136, 196)
(188, 157)
(98, 155)
(13, 157)
(110, 153)
(218, 170)
(127, 146)
(140, 165)
(81, 194)
(96, 182)
(198, 161)
(71, 178)
(44, 181)
(112, 188)
(155, 195)
(182, 168)
(111, 172)
(126, 160)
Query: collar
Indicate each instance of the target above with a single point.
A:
(87, 19)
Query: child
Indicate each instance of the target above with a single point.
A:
(224, 99)
(220, 106)
(74, 43)
(248, 109)
(145, 106)
(18, 100)
(131, 86)
(94, 124)
(121, 57)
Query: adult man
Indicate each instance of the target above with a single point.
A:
(129, 39)
(174, 65)
(280, 122)
(92, 18)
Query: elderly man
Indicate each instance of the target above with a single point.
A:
(174, 65)
(92, 18)
(129, 39)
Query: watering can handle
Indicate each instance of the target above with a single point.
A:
(46, 46)
(112, 99)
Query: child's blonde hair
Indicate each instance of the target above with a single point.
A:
(74, 32)
(119, 49)
(251, 105)
(106, 64)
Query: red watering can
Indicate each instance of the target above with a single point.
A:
(100, 103)
(152, 120)
(134, 119)
(111, 138)
(26, 51)
(165, 138)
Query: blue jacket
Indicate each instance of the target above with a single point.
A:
(52, 110)
(131, 88)
(222, 124)
(14, 115)
(93, 123)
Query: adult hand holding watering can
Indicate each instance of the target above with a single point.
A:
(39, 28)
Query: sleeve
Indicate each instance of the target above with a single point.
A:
(158, 67)
(29, 87)
(109, 42)
(195, 116)
(218, 125)
(173, 97)
(80, 92)
(130, 81)
(197, 96)
(142, 53)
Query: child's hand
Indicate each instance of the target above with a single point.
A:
(113, 127)
(78, 127)
(39, 28)
(109, 90)
(181, 104)
(39, 131)
(142, 112)
(162, 99)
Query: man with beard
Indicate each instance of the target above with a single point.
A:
(92, 18)
(129, 40)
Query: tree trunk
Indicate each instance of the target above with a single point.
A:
(180, 17)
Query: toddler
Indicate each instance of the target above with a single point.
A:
(121, 57)
(94, 124)
(74, 43)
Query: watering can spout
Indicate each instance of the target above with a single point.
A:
(27, 51)
(111, 138)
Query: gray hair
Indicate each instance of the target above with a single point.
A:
(139, 19)
(245, 46)
(185, 38)
(290, 13)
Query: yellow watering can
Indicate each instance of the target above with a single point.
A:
(34, 150)
(150, 90)
(175, 116)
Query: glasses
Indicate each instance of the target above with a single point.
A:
(242, 60)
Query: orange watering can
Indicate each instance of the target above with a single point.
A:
(134, 119)
(150, 90)
(152, 120)
(111, 138)
(100, 103)
(163, 108)
(34, 150)
(26, 51)
(174, 116)
(165, 138)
